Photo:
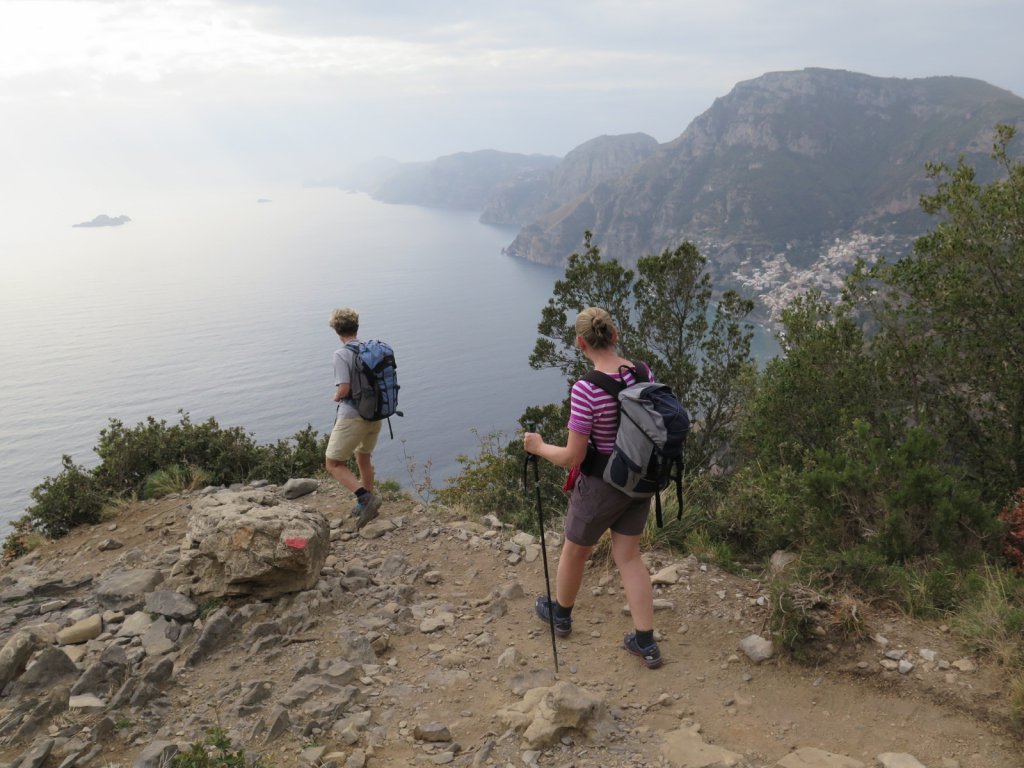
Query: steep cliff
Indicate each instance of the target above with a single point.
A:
(528, 198)
(786, 164)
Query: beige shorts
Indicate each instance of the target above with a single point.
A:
(352, 436)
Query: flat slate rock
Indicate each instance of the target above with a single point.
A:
(126, 590)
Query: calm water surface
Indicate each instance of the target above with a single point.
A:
(210, 302)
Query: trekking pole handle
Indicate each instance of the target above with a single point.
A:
(531, 426)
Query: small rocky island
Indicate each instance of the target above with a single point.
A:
(104, 221)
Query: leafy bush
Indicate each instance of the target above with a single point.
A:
(72, 498)
(806, 399)
(705, 546)
(300, 456)
(947, 319)
(905, 499)
(389, 490)
(129, 455)
(153, 459)
(759, 511)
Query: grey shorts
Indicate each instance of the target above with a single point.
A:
(595, 506)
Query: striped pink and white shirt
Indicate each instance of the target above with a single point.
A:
(595, 413)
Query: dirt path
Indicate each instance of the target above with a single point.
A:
(848, 705)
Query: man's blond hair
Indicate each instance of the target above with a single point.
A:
(345, 321)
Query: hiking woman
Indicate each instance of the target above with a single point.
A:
(594, 506)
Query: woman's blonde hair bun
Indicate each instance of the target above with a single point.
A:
(596, 327)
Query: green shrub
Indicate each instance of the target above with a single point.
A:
(793, 619)
(861, 566)
(926, 588)
(1016, 697)
(705, 546)
(492, 483)
(210, 606)
(806, 399)
(676, 530)
(905, 501)
(153, 459)
(300, 456)
(72, 498)
(759, 511)
(129, 455)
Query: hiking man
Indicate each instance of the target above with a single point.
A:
(595, 506)
(352, 435)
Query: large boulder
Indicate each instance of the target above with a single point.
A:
(250, 543)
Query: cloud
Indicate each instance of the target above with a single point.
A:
(279, 83)
(152, 42)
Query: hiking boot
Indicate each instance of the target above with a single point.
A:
(366, 509)
(650, 656)
(563, 626)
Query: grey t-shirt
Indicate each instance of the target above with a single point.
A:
(343, 357)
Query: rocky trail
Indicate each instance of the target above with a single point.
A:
(413, 642)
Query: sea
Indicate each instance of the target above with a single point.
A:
(214, 301)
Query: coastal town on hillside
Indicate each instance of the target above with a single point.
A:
(776, 282)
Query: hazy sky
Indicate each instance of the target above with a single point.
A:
(165, 90)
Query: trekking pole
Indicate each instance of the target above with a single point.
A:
(531, 459)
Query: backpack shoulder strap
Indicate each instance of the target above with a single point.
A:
(614, 386)
(594, 462)
(605, 382)
(355, 365)
(640, 371)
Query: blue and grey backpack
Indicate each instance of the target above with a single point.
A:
(374, 380)
(648, 452)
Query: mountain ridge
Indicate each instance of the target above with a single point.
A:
(786, 162)
(782, 183)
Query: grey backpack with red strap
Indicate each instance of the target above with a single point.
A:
(652, 430)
